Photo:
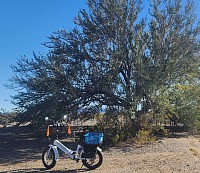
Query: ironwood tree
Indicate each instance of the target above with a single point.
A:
(114, 58)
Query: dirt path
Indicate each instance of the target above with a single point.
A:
(181, 154)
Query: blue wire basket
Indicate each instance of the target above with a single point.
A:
(93, 138)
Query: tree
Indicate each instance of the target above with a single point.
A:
(174, 57)
(46, 87)
(112, 44)
(112, 58)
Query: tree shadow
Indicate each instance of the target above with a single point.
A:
(19, 144)
(35, 170)
(23, 144)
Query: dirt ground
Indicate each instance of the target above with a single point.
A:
(21, 152)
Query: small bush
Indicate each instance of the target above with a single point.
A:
(144, 136)
(159, 131)
(115, 139)
(194, 151)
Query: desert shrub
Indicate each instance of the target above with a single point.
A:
(115, 139)
(114, 126)
(144, 136)
(159, 130)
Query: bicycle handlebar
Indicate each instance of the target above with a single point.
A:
(53, 123)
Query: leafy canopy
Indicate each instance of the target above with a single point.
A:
(113, 58)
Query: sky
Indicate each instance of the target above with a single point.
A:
(25, 25)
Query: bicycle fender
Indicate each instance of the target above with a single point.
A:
(99, 149)
(55, 150)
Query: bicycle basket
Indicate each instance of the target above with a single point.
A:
(93, 138)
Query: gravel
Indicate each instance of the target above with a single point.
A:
(21, 152)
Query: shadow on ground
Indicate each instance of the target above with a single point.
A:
(23, 144)
(19, 144)
(48, 171)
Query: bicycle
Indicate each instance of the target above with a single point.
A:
(88, 150)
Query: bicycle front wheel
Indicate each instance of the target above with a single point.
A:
(48, 158)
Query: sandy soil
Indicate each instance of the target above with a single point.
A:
(176, 154)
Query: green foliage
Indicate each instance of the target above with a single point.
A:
(175, 63)
(181, 102)
(144, 136)
(159, 131)
(114, 125)
(115, 139)
(114, 58)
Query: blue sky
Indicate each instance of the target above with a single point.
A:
(25, 24)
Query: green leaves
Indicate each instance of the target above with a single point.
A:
(113, 58)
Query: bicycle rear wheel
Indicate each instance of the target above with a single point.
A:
(94, 162)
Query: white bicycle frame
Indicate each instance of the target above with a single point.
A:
(70, 153)
(74, 155)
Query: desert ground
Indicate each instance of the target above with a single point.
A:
(20, 151)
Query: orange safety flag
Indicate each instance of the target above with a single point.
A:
(48, 131)
(69, 130)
